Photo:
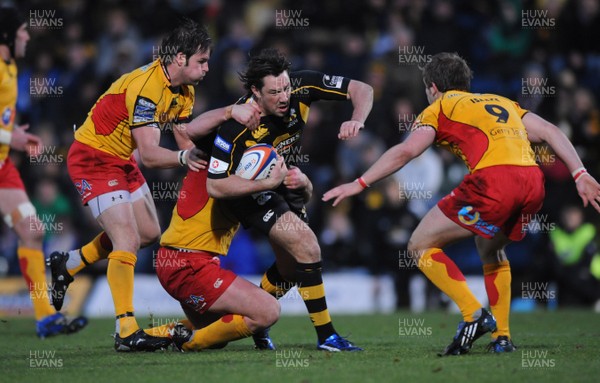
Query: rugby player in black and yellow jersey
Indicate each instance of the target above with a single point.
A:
(280, 212)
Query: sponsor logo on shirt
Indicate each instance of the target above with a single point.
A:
(217, 166)
(144, 110)
(222, 144)
(6, 115)
(260, 132)
(333, 81)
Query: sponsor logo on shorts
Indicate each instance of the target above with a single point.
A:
(196, 301)
(333, 81)
(113, 183)
(218, 283)
(268, 216)
(262, 198)
(222, 144)
(83, 186)
(467, 216)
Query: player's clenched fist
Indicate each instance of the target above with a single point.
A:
(350, 129)
(246, 114)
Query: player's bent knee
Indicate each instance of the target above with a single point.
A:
(412, 246)
(128, 241)
(269, 314)
(417, 243)
(310, 252)
(149, 238)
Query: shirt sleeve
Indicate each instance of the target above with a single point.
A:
(227, 150)
(428, 117)
(319, 86)
(141, 105)
(520, 110)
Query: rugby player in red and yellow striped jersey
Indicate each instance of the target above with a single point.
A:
(16, 209)
(130, 115)
(221, 306)
(494, 203)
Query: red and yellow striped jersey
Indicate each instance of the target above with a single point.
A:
(482, 129)
(143, 97)
(8, 100)
(199, 222)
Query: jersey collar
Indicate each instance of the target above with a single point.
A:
(167, 78)
(165, 73)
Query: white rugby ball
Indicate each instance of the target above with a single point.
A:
(257, 162)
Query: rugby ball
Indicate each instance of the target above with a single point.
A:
(257, 162)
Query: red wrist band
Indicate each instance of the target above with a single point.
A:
(578, 173)
(362, 182)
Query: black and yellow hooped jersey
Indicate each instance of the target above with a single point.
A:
(283, 133)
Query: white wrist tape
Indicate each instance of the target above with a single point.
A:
(182, 158)
(5, 136)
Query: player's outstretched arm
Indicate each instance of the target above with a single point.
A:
(246, 114)
(390, 162)
(20, 140)
(235, 186)
(361, 95)
(540, 130)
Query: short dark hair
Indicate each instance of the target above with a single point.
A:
(269, 61)
(448, 71)
(188, 38)
(10, 21)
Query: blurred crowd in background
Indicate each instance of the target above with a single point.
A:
(543, 54)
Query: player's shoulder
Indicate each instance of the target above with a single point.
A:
(145, 80)
(7, 68)
(231, 130)
(307, 77)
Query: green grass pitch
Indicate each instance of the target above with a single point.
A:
(559, 346)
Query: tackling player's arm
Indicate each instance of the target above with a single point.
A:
(361, 95)
(234, 186)
(246, 114)
(390, 162)
(153, 155)
(540, 130)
